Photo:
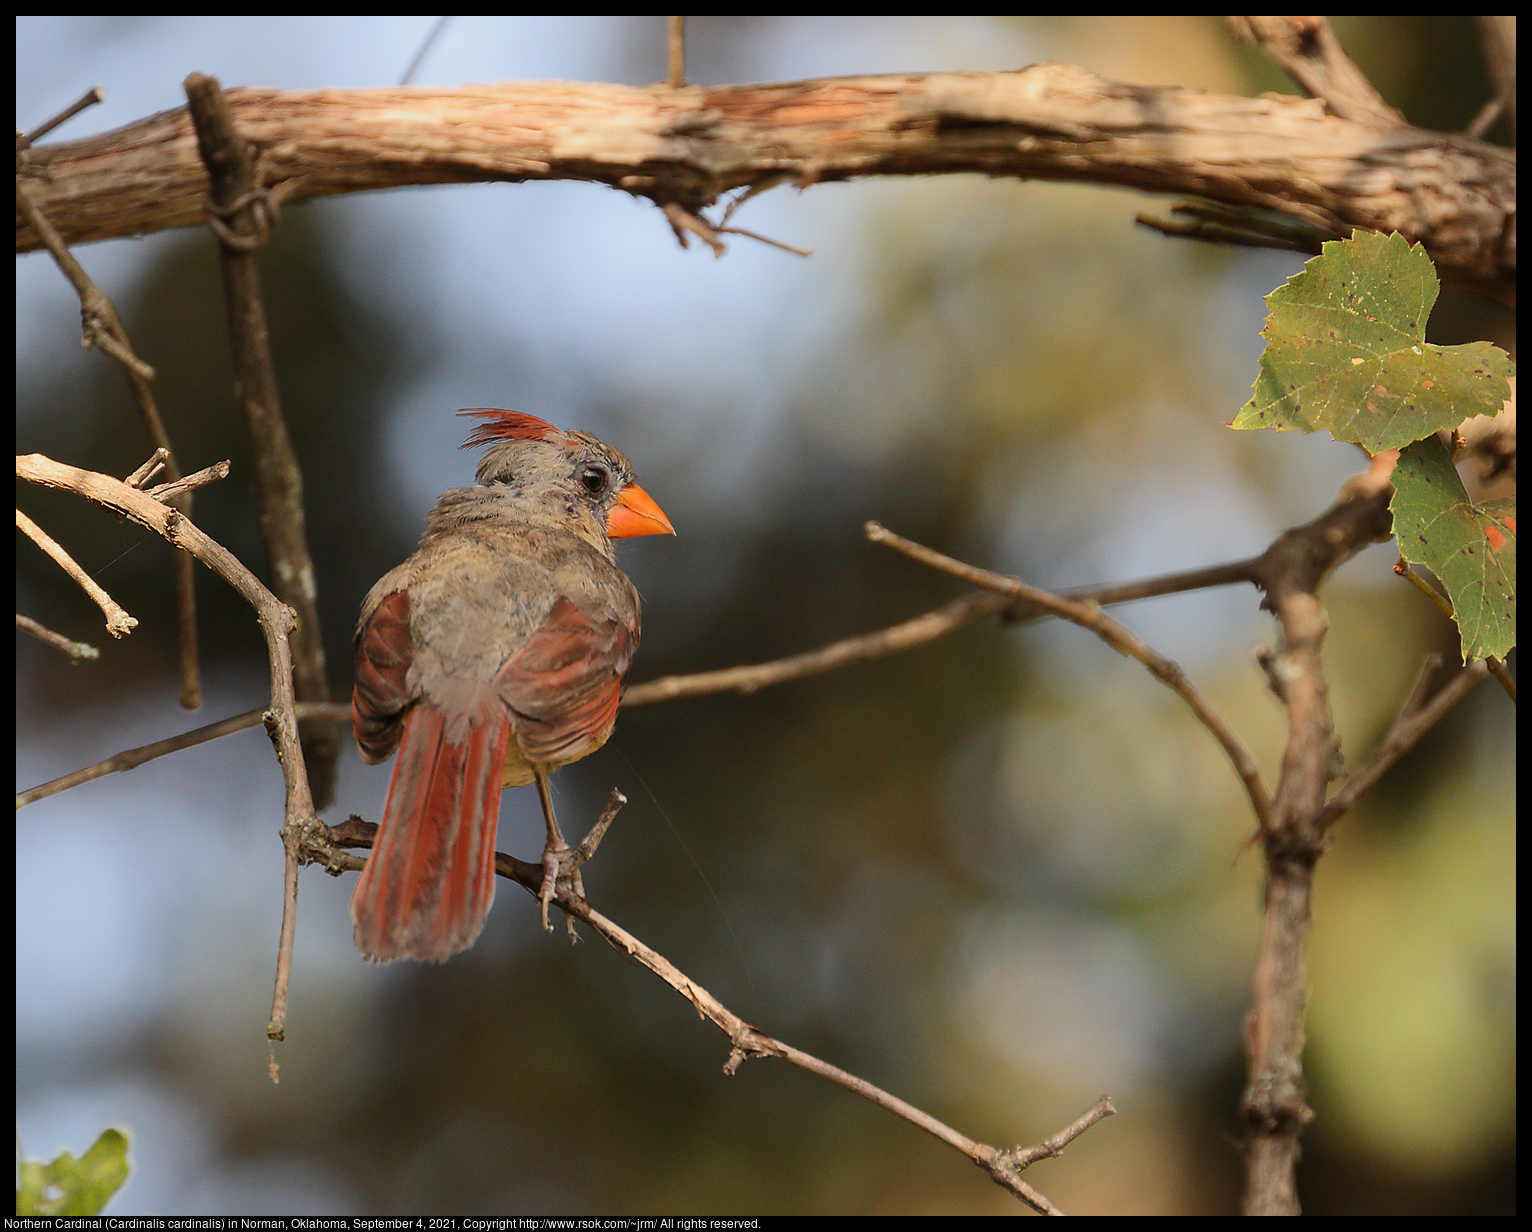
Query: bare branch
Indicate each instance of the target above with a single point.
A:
(746, 1039)
(1291, 572)
(693, 145)
(244, 213)
(1090, 616)
(103, 329)
(75, 650)
(90, 98)
(1309, 52)
(276, 620)
(901, 637)
(1411, 725)
(922, 629)
(334, 712)
(118, 622)
(868, 646)
(675, 51)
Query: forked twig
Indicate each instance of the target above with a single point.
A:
(276, 620)
(103, 329)
(1090, 616)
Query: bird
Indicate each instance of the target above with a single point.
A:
(493, 655)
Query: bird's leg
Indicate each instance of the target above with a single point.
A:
(557, 858)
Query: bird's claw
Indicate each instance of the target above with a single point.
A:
(559, 864)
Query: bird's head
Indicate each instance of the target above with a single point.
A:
(566, 476)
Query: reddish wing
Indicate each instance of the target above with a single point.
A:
(565, 683)
(380, 696)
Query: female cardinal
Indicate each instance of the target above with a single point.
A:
(492, 655)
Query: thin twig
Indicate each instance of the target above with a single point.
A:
(683, 220)
(1497, 35)
(920, 630)
(765, 184)
(75, 650)
(1486, 116)
(1053, 1146)
(1403, 569)
(90, 98)
(149, 469)
(675, 51)
(128, 759)
(1090, 616)
(1408, 728)
(118, 622)
(167, 492)
(748, 679)
(746, 1039)
(102, 328)
(861, 649)
(764, 239)
(1214, 222)
(1421, 689)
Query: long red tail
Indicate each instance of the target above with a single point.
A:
(430, 880)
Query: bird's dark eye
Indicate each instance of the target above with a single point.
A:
(595, 479)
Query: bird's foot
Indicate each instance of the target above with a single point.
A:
(560, 863)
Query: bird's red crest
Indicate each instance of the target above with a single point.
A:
(508, 426)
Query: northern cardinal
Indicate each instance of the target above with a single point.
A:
(491, 656)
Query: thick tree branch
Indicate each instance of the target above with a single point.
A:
(1454, 194)
(1291, 572)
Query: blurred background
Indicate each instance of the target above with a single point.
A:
(996, 875)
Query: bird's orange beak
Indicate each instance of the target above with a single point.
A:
(635, 513)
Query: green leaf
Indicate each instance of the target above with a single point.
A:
(1346, 351)
(70, 1186)
(1471, 548)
